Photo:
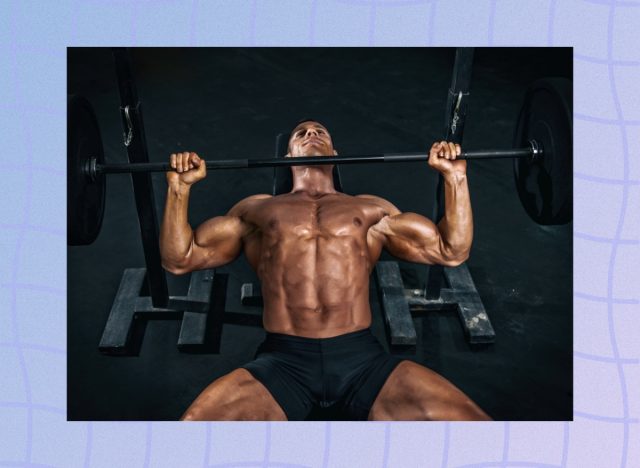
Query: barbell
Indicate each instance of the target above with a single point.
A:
(92, 168)
(542, 156)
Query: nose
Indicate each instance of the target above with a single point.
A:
(311, 131)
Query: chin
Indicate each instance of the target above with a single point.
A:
(312, 152)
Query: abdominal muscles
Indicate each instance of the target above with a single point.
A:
(315, 284)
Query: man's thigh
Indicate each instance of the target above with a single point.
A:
(414, 393)
(237, 396)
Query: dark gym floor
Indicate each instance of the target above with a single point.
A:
(226, 103)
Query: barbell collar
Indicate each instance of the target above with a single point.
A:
(92, 168)
(537, 151)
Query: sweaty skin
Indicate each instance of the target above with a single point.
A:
(314, 250)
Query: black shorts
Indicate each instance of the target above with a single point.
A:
(344, 372)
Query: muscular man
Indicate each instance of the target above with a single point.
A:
(313, 250)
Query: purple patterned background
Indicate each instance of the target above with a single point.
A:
(605, 36)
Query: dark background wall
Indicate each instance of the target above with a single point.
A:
(226, 103)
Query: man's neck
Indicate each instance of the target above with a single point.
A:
(313, 180)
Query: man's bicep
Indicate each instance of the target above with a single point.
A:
(414, 238)
(409, 236)
(217, 242)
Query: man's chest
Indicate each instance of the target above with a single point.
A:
(330, 215)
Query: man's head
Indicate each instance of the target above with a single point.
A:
(310, 138)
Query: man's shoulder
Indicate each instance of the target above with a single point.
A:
(254, 198)
(373, 198)
(379, 201)
(260, 196)
(247, 203)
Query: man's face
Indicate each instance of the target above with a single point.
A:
(310, 139)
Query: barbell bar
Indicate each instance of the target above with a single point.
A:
(92, 168)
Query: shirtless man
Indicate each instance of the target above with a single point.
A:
(313, 250)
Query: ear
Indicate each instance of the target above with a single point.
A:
(288, 155)
(335, 153)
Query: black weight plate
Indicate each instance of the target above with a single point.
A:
(545, 186)
(85, 197)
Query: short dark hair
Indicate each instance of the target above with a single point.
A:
(307, 119)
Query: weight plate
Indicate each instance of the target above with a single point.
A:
(545, 186)
(85, 197)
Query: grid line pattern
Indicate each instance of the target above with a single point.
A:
(34, 36)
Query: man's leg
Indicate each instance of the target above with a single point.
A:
(236, 396)
(414, 393)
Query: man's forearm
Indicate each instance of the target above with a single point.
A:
(176, 235)
(456, 227)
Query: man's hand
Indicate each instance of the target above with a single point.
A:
(189, 169)
(442, 157)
